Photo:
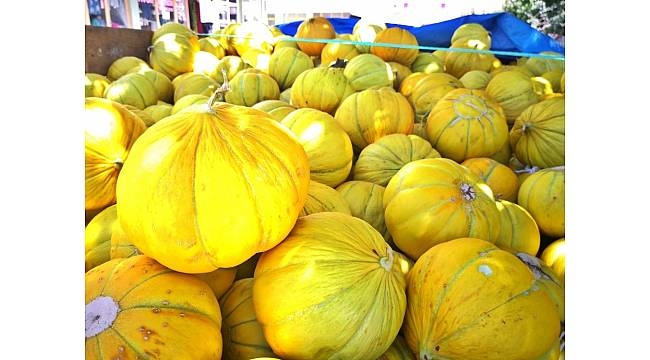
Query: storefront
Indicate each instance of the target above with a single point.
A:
(136, 14)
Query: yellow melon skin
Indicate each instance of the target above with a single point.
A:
(205, 63)
(327, 146)
(95, 85)
(161, 82)
(537, 137)
(501, 179)
(323, 198)
(459, 63)
(472, 35)
(399, 350)
(366, 202)
(542, 194)
(172, 28)
(365, 32)
(219, 280)
(253, 36)
(152, 311)
(321, 88)
(110, 131)
(395, 35)
(504, 154)
(432, 201)
(380, 161)
(400, 72)
(514, 91)
(209, 187)
(334, 51)
(98, 237)
(367, 71)
(195, 84)
(469, 300)
(173, 54)
(189, 100)
(277, 109)
(519, 232)
(158, 112)
(554, 256)
(347, 296)
(121, 245)
(475, 80)
(243, 337)
(250, 87)
(314, 28)
(539, 66)
(369, 115)
(232, 65)
(286, 64)
(467, 124)
(212, 46)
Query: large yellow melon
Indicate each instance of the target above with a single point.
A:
(425, 91)
(347, 291)
(253, 35)
(251, 86)
(542, 194)
(514, 91)
(500, 178)
(427, 63)
(475, 79)
(160, 81)
(519, 232)
(132, 89)
(195, 84)
(334, 51)
(277, 109)
(314, 28)
(395, 35)
(380, 161)
(369, 115)
(469, 300)
(286, 64)
(123, 65)
(554, 256)
(243, 338)
(321, 88)
(366, 71)
(98, 237)
(209, 187)
(537, 137)
(110, 131)
(326, 144)
(95, 85)
(136, 306)
(366, 202)
(472, 35)
(322, 198)
(432, 201)
(467, 124)
(173, 54)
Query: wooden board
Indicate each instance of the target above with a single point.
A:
(105, 45)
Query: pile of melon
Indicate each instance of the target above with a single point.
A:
(257, 197)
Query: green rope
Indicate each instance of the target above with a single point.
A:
(402, 46)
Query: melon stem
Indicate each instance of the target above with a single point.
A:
(220, 91)
(387, 261)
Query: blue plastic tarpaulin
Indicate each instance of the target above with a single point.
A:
(508, 32)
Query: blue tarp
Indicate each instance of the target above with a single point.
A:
(508, 32)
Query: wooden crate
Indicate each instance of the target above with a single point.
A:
(105, 45)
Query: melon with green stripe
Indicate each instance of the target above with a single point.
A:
(366, 202)
(98, 237)
(537, 137)
(519, 232)
(132, 89)
(378, 162)
(366, 71)
(286, 64)
(243, 337)
(137, 308)
(251, 86)
(369, 115)
(321, 88)
(322, 198)
(277, 109)
(328, 147)
(345, 282)
(398, 36)
(542, 194)
(467, 124)
(424, 90)
(501, 179)
(467, 299)
(194, 84)
(431, 201)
